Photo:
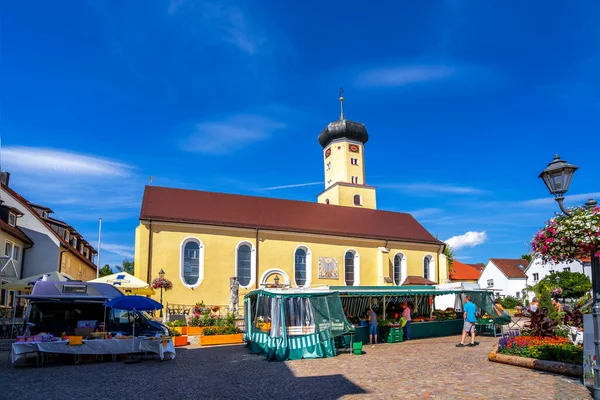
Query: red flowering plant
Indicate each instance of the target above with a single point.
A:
(543, 348)
(568, 238)
(163, 283)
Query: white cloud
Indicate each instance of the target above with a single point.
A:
(469, 239)
(424, 212)
(426, 189)
(402, 75)
(292, 186)
(118, 249)
(43, 160)
(230, 135)
(575, 198)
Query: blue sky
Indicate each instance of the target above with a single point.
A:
(465, 103)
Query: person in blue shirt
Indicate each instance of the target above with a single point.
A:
(469, 325)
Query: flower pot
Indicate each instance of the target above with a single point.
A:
(181, 329)
(212, 340)
(180, 341)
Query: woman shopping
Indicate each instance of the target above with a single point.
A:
(406, 316)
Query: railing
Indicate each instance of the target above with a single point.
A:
(185, 311)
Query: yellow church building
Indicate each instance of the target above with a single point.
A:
(202, 239)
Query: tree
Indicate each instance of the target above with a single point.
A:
(104, 271)
(449, 253)
(573, 284)
(527, 257)
(127, 266)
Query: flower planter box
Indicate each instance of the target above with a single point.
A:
(181, 329)
(195, 330)
(212, 340)
(179, 341)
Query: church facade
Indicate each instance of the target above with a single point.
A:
(202, 239)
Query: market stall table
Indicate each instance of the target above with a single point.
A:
(95, 347)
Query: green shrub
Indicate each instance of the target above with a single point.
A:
(510, 302)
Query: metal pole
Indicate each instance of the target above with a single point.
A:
(596, 315)
(99, 242)
(161, 314)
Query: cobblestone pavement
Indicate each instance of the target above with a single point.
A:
(422, 369)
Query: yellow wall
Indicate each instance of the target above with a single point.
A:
(338, 166)
(76, 268)
(275, 251)
(343, 195)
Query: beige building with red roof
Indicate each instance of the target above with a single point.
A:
(202, 239)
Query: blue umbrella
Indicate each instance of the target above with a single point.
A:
(130, 303)
(133, 303)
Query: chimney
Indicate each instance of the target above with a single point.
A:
(4, 178)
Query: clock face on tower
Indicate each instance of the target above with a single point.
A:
(354, 148)
(328, 152)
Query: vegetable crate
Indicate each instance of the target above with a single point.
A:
(395, 335)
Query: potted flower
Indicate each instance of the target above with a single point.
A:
(162, 283)
(179, 339)
(224, 333)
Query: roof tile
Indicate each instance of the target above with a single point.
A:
(510, 266)
(460, 271)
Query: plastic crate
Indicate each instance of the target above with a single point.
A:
(357, 348)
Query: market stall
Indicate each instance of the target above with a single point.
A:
(290, 324)
(83, 318)
(426, 321)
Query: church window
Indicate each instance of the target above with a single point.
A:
(354, 161)
(349, 268)
(426, 268)
(192, 262)
(244, 264)
(357, 200)
(398, 269)
(355, 179)
(328, 165)
(300, 267)
(326, 201)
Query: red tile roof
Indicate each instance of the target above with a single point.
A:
(478, 266)
(210, 208)
(15, 231)
(463, 272)
(510, 266)
(417, 280)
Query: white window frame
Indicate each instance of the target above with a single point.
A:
(354, 161)
(13, 217)
(252, 263)
(356, 267)
(6, 293)
(200, 261)
(490, 283)
(360, 202)
(536, 276)
(10, 252)
(567, 269)
(16, 252)
(403, 267)
(432, 268)
(355, 180)
(308, 265)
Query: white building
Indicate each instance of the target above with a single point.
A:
(538, 270)
(506, 276)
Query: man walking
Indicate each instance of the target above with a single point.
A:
(372, 326)
(469, 323)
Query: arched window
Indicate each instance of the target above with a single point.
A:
(300, 267)
(398, 269)
(326, 201)
(192, 262)
(357, 200)
(244, 264)
(349, 268)
(426, 266)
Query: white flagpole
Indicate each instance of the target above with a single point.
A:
(99, 242)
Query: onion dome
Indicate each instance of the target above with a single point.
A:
(343, 129)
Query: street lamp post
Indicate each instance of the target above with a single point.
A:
(161, 274)
(557, 178)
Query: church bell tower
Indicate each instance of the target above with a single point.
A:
(343, 142)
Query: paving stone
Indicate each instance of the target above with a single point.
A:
(418, 369)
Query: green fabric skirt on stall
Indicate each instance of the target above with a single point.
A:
(294, 348)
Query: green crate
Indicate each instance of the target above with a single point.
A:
(357, 348)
